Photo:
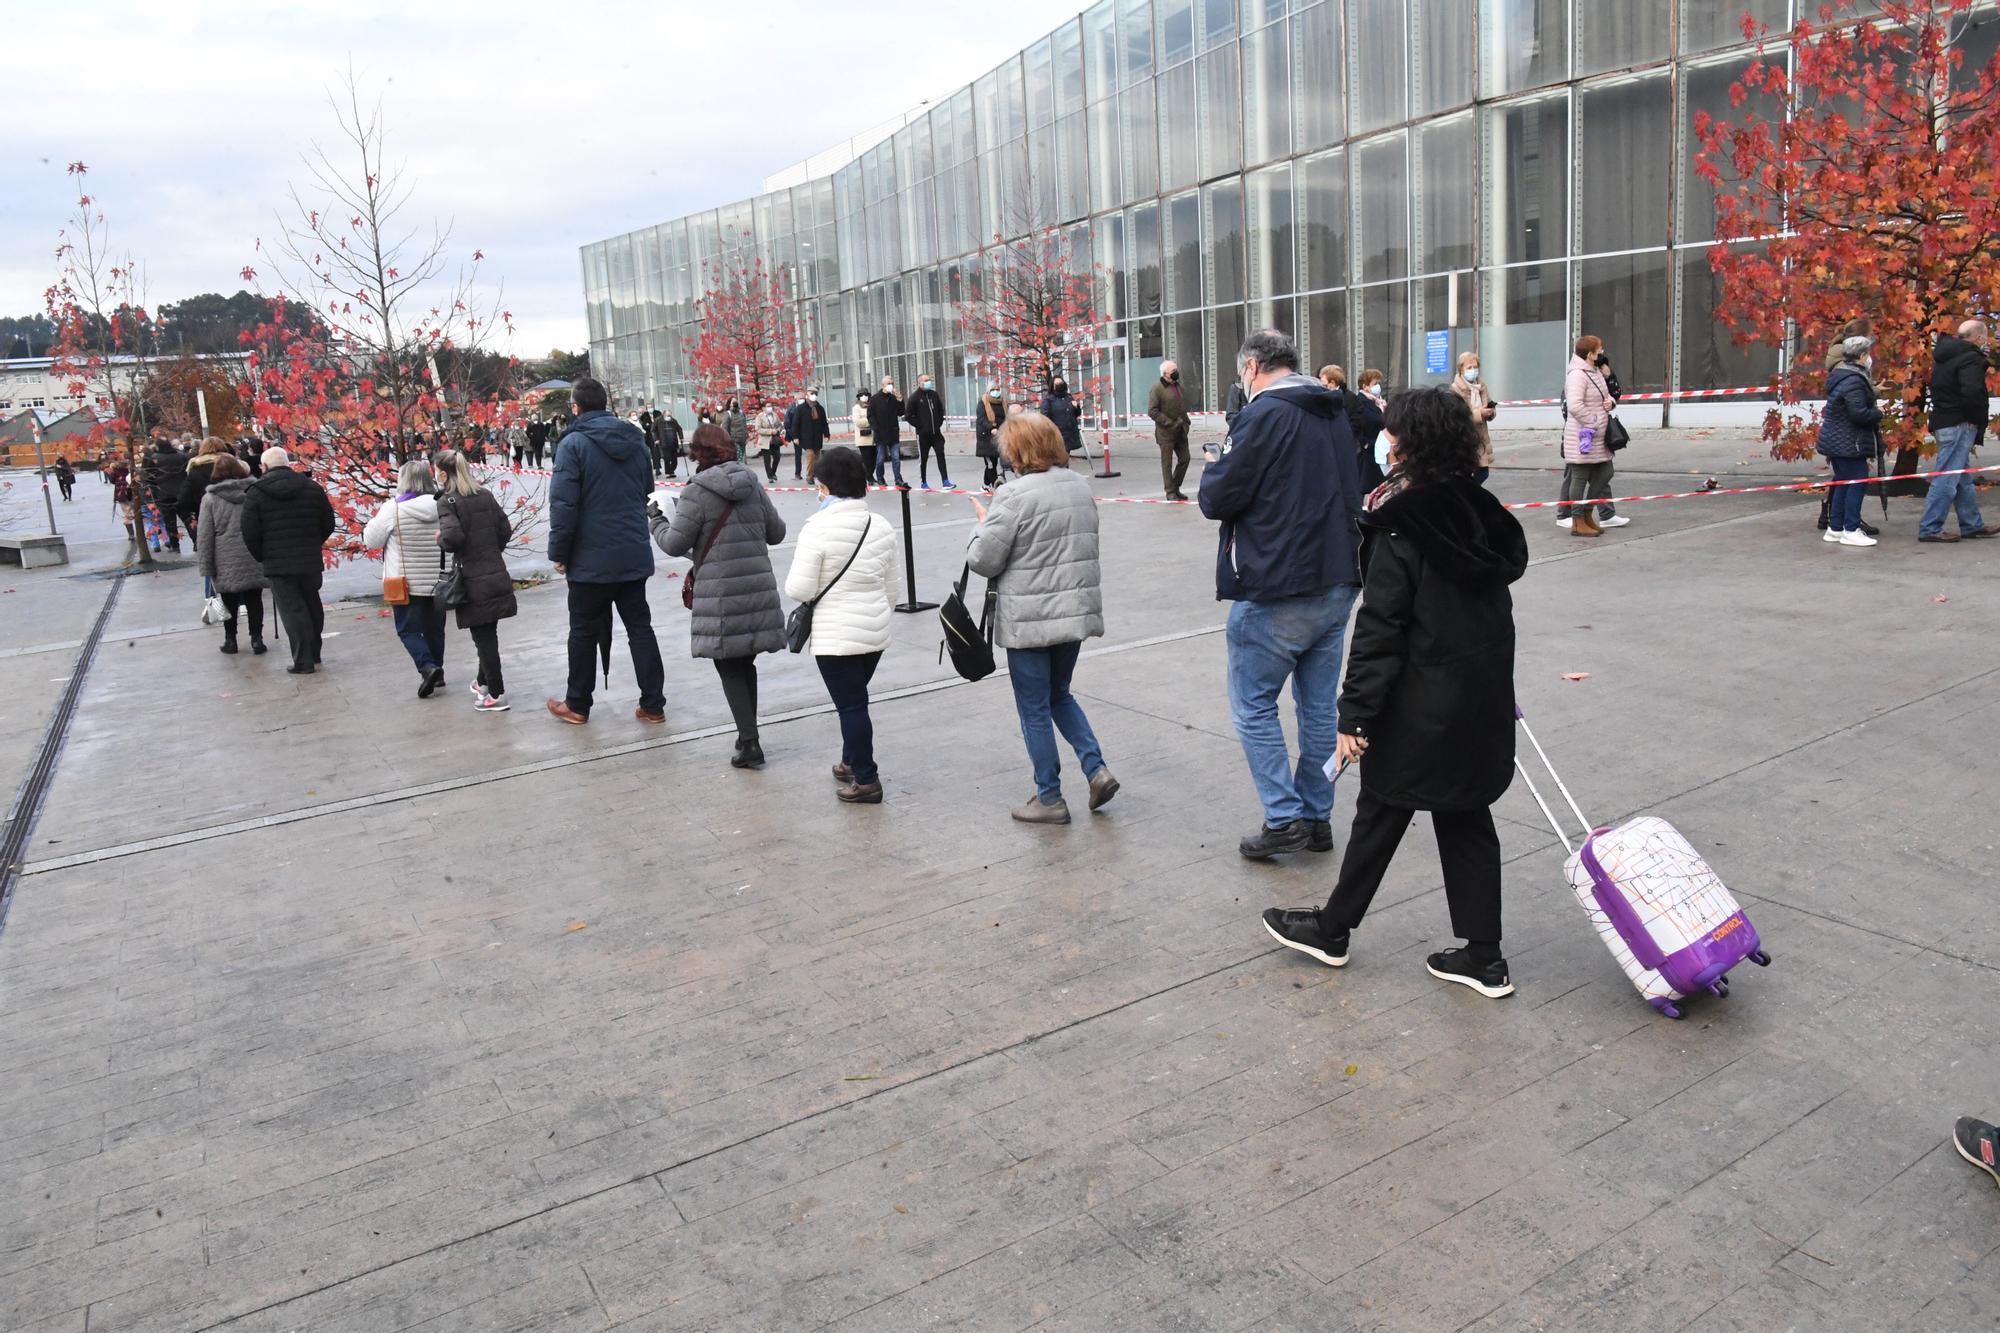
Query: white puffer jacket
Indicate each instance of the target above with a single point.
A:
(419, 526)
(853, 617)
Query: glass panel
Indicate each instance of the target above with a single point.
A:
(1072, 168)
(1186, 343)
(962, 121)
(1107, 236)
(1225, 331)
(986, 110)
(1217, 19)
(1323, 220)
(1040, 84)
(1223, 204)
(1385, 331)
(1324, 339)
(1139, 128)
(1445, 33)
(1709, 24)
(1042, 176)
(1710, 357)
(1613, 36)
(1382, 209)
(1625, 133)
(1706, 88)
(1623, 300)
(1173, 31)
(1183, 250)
(1179, 128)
(1433, 312)
(1525, 44)
(1378, 61)
(1144, 235)
(1106, 182)
(1268, 225)
(1100, 48)
(1444, 212)
(1267, 95)
(1221, 113)
(1013, 101)
(1068, 58)
(944, 137)
(1135, 40)
(1527, 180)
(1281, 314)
(1258, 12)
(1319, 100)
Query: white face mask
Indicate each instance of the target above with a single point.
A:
(1472, 375)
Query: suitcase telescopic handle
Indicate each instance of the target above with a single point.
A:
(1534, 791)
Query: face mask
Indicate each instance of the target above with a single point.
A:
(812, 397)
(1174, 378)
(825, 500)
(1472, 375)
(925, 385)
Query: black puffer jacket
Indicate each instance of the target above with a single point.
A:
(1958, 383)
(925, 411)
(200, 472)
(165, 471)
(1060, 408)
(286, 521)
(475, 529)
(1430, 667)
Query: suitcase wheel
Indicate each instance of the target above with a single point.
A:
(1719, 988)
(1761, 959)
(1667, 1007)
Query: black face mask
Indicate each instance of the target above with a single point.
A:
(1174, 378)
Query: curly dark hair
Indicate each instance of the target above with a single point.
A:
(1436, 437)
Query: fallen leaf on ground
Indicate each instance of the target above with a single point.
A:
(574, 927)
(1940, 598)
(1576, 675)
(904, 1211)
(1352, 1070)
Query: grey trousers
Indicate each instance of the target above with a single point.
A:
(1586, 481)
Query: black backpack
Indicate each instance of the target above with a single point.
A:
(970, 644)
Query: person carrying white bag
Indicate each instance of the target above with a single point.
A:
(1427, 706)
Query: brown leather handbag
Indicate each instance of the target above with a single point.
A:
(396, 587)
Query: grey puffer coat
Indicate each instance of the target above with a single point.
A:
(1039, 544)
(220, 547)
(736, 608)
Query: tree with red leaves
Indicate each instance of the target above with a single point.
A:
(391, 361)
(753, 345)
(102, 339)
(1030, 314)
(1877, 195)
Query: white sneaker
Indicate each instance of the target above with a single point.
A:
(491, 703)
(1830, 536)
(1565, 522)
(1856, 538)
(1615, 521)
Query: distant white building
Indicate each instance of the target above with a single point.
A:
(32, 381)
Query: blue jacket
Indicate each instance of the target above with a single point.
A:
(597, 501)
(1847, 424)
(1288, 496)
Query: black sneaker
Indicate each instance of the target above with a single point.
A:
(1269, 842)
(1299, 928)
(1322, 835)
(430, 682)
(1489, 979)
(1978, 1143)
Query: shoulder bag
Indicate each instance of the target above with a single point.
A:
(687, 584)
(396, 587)
(799, 624)
(451, 592)
(970, 644)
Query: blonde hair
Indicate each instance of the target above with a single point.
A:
(211, 446)
(1333, 377)
(1030, 442)
(458, 478)
(1369, 376)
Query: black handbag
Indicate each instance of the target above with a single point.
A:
(1616, 437)
(970, 644)
(450, 592)
(799, 624)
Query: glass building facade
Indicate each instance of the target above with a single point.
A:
(1390, 181)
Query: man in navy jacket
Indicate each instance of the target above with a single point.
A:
(1287, 494)
(598, 540)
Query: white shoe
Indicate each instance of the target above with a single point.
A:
(1856, 538)
(1830, 536)
(491, 703)
(1615, 521)
(1565, 522)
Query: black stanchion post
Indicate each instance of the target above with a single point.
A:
(912, 605)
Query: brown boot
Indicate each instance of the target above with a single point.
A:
(1583, 523)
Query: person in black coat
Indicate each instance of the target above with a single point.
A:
(1060, 408)
(65, 478)
(286, 521)
(1428, 703)
(165, 471)
(475, 530)
(807, 428)
(1364, 418)
(925, 411)
(669, 427)
(885, 418)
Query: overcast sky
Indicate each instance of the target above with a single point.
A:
(531, 129)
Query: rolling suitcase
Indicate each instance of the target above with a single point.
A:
(1657, 904)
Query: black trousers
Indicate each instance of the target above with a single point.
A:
(252, 603)
(590, 608)
(739, 687)
(296, 597)
(486, 642)
(1467, 846)
(868, 460)
(847, 685)
(170, 522)
(654, 446)
(773, 451)
(925, 444)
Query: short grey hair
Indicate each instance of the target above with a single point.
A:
(1270, 349)
(275, 457)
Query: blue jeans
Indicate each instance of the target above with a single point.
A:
(1954, 451)
(1843, 505)
(1041, 696)
(1300, 639)
(888, 457)
(420, 626)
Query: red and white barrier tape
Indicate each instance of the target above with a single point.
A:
(1645, 397)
